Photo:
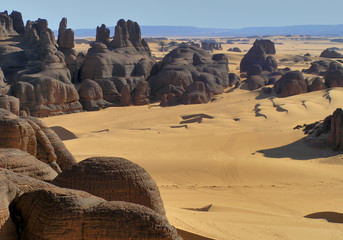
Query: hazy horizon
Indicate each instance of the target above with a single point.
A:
(219, 14)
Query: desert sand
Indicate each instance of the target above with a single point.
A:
(234, 168)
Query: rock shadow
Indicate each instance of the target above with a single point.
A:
(63, 133)
(332, 217)
(307, 148)
(194, 118)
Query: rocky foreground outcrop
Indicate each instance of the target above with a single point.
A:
(31, 155)
(114, 179)
(34, 137)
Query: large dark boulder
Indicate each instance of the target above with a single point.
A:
(267, 45)
(291, 83)
(91, 96)
(256, 55)
(331, 54)
(256, 81)
(334, 78)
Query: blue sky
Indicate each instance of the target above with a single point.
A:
(209, 13)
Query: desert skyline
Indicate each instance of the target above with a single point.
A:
(214, 14)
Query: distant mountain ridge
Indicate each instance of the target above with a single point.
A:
(184, 31)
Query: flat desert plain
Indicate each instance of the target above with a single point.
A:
(234, 168)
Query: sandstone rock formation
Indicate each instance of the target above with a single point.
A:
(258, 55)
(65, 35)
(235, 49)
(316, 84)
(331, 54)
(185, 65)
(39, 76)
(318, 67)
(23, 163)
(18, 24)
(128, 34)
(6, 25)
(334, 77)
(91, 96)
(336, 130)
(34, 137)
(291, 83)
(266, 44)
(10, 104)
(211, 45)
(12, 185)
(102, 34)
(114, 179)
(124, 61)
(70, 214)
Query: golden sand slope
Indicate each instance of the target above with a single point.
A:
(237, 174)
(259, 174)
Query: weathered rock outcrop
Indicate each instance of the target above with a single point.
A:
(34, 137)
(70, 214)
(18, 23)
(128, 34)
(266, 44)
(334, 75)
(6, 25)
(10, 104)
(331, 54)
(316, 84)
(23, 163)
(65, 35)
(124, 61)
(319, 67)
(39, 76)
(336, 130)
(258, 55)
(291, 83)
(185, 65)
(211, 45)
(13, 185)
(114, 179)
(102, 34)
(91, 96)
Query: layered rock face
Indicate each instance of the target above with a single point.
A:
(114, 179)
(185, 65)
(34, 137)
(43, 85)
(23, 163)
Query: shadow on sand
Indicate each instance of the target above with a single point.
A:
(332, 217)
(306, 148)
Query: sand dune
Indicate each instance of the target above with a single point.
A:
(240, 155)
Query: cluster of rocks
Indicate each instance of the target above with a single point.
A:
(36, 71)
(45, 194)
(211, 45)
(235, 49)
(189, 75)
(261, 70)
